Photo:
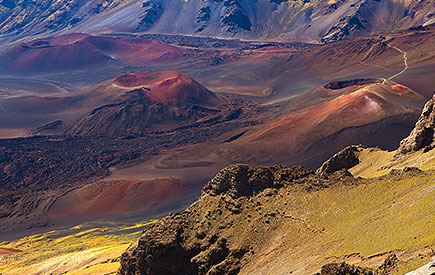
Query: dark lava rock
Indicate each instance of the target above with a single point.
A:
(388, 264)
(241, 180)
(344, 159)
(337, 85)
(152, 13)
(343, 269)
(235, 18)
(159, 252)
(423, 134)
(163, 249)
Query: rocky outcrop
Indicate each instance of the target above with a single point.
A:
(47, 128)
(164, 249)
(344, 159)
(234, 18)
(241, 180)
(227, 225)
(153, 11)
(343, 268)
(422, 137)
(346, 269)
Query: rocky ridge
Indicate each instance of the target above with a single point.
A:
(203, 239)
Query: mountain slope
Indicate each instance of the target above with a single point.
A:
(276, 220)
(312, 20)
(283, 20)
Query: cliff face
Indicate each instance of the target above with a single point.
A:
(422, 136)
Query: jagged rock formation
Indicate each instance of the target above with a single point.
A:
(422, 136)
(47, 128)
(215, 235)
(344, 159)
(241, 180)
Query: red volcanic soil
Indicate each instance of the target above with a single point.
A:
(401, 90)
(118, 197)
(4, 251)
(352, 109)
(80, 51)
(167, 87)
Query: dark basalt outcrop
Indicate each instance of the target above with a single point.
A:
(153, 11)
(347, 26)
(422, 136)
(344, 159)
(337, 85)
(343, 269)
(346, 269)
(234, 18)
(48, 127)
(241, 180)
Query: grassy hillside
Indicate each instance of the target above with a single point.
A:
(91, 248)
(375, 162)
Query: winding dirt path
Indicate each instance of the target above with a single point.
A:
(405, 61)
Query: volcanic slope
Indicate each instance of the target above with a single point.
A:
(416, 150)
(159, 99)
(82, 51)
(277, 220)
(306, 129)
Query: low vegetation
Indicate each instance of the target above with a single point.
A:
(92, 248)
